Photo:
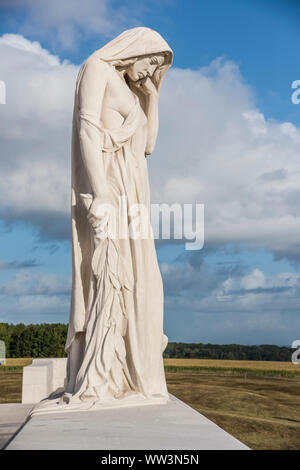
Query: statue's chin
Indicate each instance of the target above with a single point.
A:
(133, 78)
(133, 81)
(129, 80)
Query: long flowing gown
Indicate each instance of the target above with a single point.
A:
(115, 337)
(117, 295)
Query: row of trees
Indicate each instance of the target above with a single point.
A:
(48, 340)
(264, 352)
(44, 340)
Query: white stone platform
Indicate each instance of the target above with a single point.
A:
(171, 426)
(43, 377)
(12, 416)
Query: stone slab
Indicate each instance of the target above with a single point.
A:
(43, 377)
(170, 426)
(12, 416)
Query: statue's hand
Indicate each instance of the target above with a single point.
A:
(147, 86)
(99, 213)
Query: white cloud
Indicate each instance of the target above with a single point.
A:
(253, 280)
(29, 283)
(257, 283)
(215, 147)
(205, 304)
(35, 129)
(35, 296)
(33, 47)
(213, 136)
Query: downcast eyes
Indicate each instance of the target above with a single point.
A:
(153, 61)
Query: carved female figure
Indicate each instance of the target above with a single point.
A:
(115, 337)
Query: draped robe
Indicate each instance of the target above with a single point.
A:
(117, 290)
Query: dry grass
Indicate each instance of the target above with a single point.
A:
(261, 365)
(261, 411)
(11, 386)
(17, 362)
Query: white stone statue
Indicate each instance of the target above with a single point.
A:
(115, 337)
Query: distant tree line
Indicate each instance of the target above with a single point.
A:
(264, 352)
(48, 340)
(44, 340)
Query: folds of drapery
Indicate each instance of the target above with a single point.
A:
(102, 271)
(103, 371)
(112, 141)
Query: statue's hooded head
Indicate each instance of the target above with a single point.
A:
(141, 51)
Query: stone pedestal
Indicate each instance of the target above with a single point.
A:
(172, 426)
(12, 417)
(42, 378)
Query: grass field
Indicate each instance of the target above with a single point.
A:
(246, 368)
(261, 365)
(243, 397)
(17, 362)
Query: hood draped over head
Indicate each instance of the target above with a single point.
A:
(137, 42)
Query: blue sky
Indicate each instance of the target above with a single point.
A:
(237, 153)
(261, 36)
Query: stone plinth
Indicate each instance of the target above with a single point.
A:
(174, 425)
(171, 426)
(12, 416)
(42, 378)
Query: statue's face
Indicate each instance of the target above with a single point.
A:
(145, 66)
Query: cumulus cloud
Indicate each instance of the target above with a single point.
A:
(35, 296)
(215, 147)
(31, 283)
(230, 305)
(35, 135)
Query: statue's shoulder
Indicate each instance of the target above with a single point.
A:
(93, 69)
(97, 64)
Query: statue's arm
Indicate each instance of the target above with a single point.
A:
(152, 115)
(90, 97)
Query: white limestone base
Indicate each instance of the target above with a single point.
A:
(12, 416)
(42, 378)
(147, 426)
(172, 426)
